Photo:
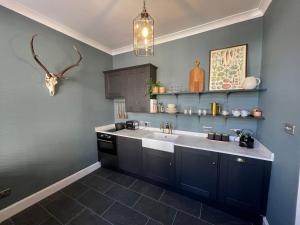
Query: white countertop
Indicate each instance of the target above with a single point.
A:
(198, 141)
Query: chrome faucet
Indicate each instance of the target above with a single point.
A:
(167, 127)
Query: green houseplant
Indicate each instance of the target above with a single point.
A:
(152, 87)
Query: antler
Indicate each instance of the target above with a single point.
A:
(35, 56)
(72, 66)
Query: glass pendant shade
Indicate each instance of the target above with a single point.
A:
(143, 34)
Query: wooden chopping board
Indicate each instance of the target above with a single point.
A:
(196, 78)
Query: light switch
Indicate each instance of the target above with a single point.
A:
(289, 128)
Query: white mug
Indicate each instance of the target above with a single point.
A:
(236, 112)
(251, 83)
(245, 113)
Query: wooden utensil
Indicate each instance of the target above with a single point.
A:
(196, 78)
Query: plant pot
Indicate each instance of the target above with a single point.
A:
(155, 90)
(162, 90)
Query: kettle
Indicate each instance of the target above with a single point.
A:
(246, 139)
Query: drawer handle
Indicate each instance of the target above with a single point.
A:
(240, 160)
(170, 163)
(213, 163)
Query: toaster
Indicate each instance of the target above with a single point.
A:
(132, 124)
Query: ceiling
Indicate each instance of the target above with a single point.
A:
(107, 24)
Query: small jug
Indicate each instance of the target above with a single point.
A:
(251, 83)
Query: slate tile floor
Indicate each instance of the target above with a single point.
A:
(106, 197)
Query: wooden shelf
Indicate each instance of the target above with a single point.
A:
(227, 92)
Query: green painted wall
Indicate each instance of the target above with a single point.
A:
(43, 139)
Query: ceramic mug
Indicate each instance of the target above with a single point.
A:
(251, 83)
(236, 112)
(245, 113)
(225, 113)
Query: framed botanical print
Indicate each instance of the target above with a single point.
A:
(228, 68)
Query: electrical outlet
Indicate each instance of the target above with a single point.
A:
(5, 193)
(290, 128)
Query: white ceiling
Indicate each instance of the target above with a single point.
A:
(107, 24)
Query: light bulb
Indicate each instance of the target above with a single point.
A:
(145, 32)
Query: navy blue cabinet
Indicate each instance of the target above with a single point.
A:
(244, 183)
(158, 166)
(197, 171)
(130, 155)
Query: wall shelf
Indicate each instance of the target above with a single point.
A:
(227, 92)
(211, 116)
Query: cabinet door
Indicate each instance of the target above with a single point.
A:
(114, 86)
(243, 183)
(197, 171)
(130, 155)
(158, 166)
(136, 99)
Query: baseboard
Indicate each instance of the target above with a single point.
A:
(265, 221)
(40, 195)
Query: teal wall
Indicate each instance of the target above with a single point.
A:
(176, 58)
(43, 139)
(280, 73)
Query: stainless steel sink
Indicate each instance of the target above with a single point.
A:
(160, 141)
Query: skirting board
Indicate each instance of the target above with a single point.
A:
(40, 195)
(265, 221)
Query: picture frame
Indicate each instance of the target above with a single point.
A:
(228, 68)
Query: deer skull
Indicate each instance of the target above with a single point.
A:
(51, 82)
(51, 79)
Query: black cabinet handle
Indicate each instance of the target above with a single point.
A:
(101, 140)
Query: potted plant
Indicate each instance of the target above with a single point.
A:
(152, 87)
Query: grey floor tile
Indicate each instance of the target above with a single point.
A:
(156, 210)
(121, 179)
(218, 217)
(238, 223)
(75, 190)
(103, 172)
(147, 189)
(122, 215)
(64, 208)
(181, 202)
(88, 218)
(184, 219)
(6, 222)
(51, 221)
(99, 183)
(95, 201)
(51, 198)
(123, 195)
(153, 222)
(34, 215)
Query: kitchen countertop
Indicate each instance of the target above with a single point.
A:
(197, 141)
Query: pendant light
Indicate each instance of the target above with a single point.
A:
(143, 34)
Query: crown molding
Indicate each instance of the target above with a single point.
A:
(264, 5)
(36, 16)
(237, 18)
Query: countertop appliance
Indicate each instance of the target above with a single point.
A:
(107, 150)
(132, 124)
(120, 126)
(246, 140)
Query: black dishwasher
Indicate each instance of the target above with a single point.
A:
(107, 150)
